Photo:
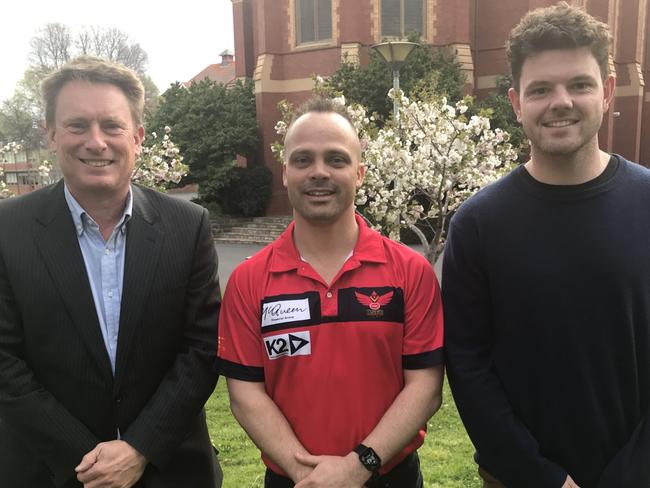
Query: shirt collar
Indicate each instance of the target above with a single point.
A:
(369, 248)
(81, 218)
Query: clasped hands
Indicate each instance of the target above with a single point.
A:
(330, 471)
(112, 464)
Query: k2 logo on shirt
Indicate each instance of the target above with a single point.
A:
(294, 344)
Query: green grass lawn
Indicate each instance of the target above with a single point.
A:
(446, 456)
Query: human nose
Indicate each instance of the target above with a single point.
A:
(561, 99)
(319, 170)
(95, 141)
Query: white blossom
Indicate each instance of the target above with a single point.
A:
(281, 127)
(160, 163)
(44, 169)
(340, 100)
(425, 169)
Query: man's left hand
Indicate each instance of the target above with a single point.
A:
(113, 464)
(333, 471)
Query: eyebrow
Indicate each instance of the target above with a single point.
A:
(76, 118)
(343, 154)
(113, 120)
(103, 120)
(329, 152)
(584, 77)
(299, 152)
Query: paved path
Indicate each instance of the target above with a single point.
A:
(230, 255)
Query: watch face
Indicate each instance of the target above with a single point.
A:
(370, 459)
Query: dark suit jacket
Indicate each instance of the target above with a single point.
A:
(58, 396)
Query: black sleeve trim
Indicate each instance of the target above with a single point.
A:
(238, 371)
(423, 360)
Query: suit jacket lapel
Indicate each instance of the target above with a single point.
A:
(56, 239)
(143, 244)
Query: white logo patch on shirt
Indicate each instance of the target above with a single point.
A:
(294, 344)
(285, 311)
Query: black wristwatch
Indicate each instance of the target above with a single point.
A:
(369, 458)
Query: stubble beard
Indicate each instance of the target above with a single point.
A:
(567, 148)
(319, 214)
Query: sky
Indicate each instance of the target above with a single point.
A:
(181, 37)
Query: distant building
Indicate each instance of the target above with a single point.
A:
(223, 72)
(281, 44)
(21, 173)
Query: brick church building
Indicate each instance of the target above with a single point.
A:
(280, 44)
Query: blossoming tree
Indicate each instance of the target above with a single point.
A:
(418, 173)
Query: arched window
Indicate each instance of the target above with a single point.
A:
(314, 20)
(399, 18)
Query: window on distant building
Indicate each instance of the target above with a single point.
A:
(26, 178)
(399, 18)
(11, 178)
(8, 157)
(21, 157)
(314, 20)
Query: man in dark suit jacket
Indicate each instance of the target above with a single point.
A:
(109, 298)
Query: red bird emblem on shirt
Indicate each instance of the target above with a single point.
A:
(374, 301)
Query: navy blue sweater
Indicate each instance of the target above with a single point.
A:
(546, 293)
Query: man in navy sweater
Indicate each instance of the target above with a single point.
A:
(546, 281)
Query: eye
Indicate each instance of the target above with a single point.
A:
(300, 160)
(112, 128)
(581, 86)
(76, 127)
(338, 160)
(538, 91)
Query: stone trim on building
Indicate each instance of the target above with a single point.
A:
(264, 83)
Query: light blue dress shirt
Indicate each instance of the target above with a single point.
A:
(105, 267)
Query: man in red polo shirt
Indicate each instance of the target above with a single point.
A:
(331, 337)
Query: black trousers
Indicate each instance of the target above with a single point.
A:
(406, 474)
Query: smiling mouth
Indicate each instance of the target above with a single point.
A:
(96, 163)
(319, 193)
(560, 123)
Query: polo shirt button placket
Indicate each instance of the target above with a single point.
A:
(328, 294)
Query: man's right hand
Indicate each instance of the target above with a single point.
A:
(111, 464)
(333, 471)
(569, 483)
(300, 472)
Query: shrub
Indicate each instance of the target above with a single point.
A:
(244, 191)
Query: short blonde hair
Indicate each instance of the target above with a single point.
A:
(94, 70)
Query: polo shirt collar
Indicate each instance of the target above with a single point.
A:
(369, 248)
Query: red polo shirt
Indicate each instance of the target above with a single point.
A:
(332, 356)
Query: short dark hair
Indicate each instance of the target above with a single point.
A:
(323, 105)
(558, 27)
(94, 70)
